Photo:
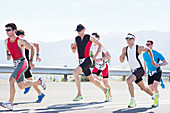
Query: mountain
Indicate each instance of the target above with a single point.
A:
(60, 54)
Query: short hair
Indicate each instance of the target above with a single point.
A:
(12, 25)
(150, 41)
(131, 34)
(20, 32)
(96, 34)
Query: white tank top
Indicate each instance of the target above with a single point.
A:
(133, 57)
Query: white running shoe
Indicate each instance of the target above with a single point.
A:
(7, 105)
(42, 83)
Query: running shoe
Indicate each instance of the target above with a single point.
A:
(40, 98)
(155, 101)
(132, 104)
(107, 94)
(162, 84)
(7, 105)
(42, 83)
(109, 100)
(26, 90)
(79, 97)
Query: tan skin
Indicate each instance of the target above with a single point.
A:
(132, 77)
(38, 59)
(105, 80)
(22, 44)
(78, 70)
(154, 86)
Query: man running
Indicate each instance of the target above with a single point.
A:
(154, 72)
(16, 48)
(132, 52)
(101, 64)
(27, 73)
(83, 43)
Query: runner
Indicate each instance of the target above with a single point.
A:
(101, 64)
(16, 48)
(154, 72)
(132, 52)
(83, 43)
(27, 73)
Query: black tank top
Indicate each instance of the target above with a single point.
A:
(27, 54)
(83, 46)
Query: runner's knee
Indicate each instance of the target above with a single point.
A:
(129, 81)
(11, 80)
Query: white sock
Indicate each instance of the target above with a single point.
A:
(132, 98)
(153, 96)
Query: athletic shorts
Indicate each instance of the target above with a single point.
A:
(85, 64)
(20, 66)
(155, 77)
(139, 72)
(105, 72)
(28, 73)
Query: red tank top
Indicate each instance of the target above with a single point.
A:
(16, 52)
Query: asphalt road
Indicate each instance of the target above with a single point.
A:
(59, 96)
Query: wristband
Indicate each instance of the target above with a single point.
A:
(38, 54)
(31, 60)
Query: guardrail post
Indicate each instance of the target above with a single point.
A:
(65, 76)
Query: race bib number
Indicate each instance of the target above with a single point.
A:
(101, 65)
(16, 63)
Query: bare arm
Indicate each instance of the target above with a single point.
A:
(73, 47)
(27, 45)
(107, 56)
(7, 51)
(37, 47)
(122, 56)
(38, 51)
(163, 63)
(144, 63)
(142, 48)
(99, 46)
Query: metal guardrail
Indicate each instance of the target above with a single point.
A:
(69, 71)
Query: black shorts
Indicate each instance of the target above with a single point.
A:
(28, 73)
(86, 66)
(139, 72)
(155, 77)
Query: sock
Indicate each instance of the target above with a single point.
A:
(153, 96)
(132, 98)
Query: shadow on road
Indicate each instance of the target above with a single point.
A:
(133, 110)
(59, 107)
(69, 107)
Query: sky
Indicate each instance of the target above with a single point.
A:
(54, 20)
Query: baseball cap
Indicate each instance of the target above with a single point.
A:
(80, 27)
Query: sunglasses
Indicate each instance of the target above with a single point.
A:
(127, 38)
(148, 44)
(8, 29)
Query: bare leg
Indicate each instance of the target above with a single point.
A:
(35, 87)
(129, 81)
(27, 83)
(76, 73)
(96, 82)
(151, 87)
(142, 87)
(12, 89)
(96, 77)
(106, 84)
(155, 86)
